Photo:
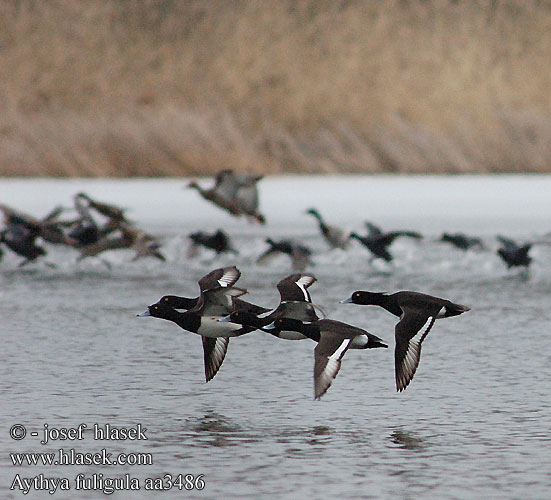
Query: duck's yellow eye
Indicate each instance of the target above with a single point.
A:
(357, 294)
(166, 299)
(156, 307)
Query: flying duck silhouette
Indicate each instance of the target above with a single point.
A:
(218, 241)
(126, 237)
(20, 235)
(417, 313)
(378, 242)
(334, 338)
(235, 193)
(462, 241)
(215, 302)
(513, 254)
(299, 254)
(295, 302)
(50, 229)
(334, 236)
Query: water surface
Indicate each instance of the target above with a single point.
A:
(475, 421)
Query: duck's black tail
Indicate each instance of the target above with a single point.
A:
(455, 310)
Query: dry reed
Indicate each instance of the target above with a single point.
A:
(168, 87)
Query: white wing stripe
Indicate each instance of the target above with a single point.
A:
(228, 278)
(422, 330)
(338, 353)
(302, 283)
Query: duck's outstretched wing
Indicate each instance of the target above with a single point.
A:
(222, 277)
(295, 287)
(410, 332)
(508, 243)
(214, 351)
(327, 361)
(373, 229)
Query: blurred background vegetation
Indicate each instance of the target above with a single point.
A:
(187, 87)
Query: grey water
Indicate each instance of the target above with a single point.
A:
(475, 421)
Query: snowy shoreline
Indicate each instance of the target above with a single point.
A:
(516, 204)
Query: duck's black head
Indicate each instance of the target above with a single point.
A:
(290, 324)
(158, 310)
(178, 302)
(244, 318)
(364, 298)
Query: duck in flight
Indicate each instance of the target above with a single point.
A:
(378, 242)
(462, 241)
(236, 193)
(125, 237)
(216, 301)
(49, 228)
(20, 236)
(295, 302)
(417, 313)
(218, 241)
(333, 339)
(334, 236)
(299, 254)
(513, 254)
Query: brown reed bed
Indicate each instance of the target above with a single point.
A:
(167, 87)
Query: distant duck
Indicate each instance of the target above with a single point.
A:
(299, 254)
(334, 236)
(53, 230)
(295, 302)
(84, 233)
(377, 242)
(143, 243)
(215, 302)
(417, 313)
(334, 338)
(235, 193)
(115, 233)
(86, 230)
(514, 254)
(50, 229)
(127, 237)
(462, 241)
(20, 235)
(218, 241)
(112, 212)
(246, 197)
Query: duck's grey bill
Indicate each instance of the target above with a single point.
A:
(346, 301)
(271, 326)
(225, 319)
(144, 314)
